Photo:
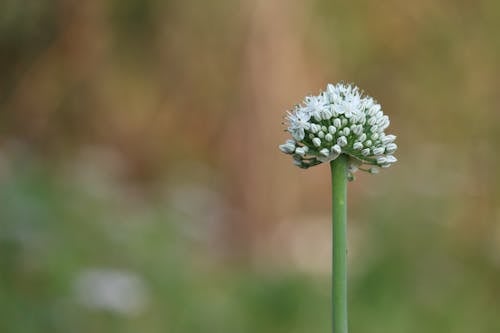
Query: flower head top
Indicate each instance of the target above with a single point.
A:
(340, 120)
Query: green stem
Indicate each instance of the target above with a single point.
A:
(339, 246)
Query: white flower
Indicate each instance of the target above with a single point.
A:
(298, 124)
(340, 120)
(313, 105)
(349, 109)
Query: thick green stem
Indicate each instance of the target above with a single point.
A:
(339, 245)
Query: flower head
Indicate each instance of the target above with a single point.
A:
(340, 120)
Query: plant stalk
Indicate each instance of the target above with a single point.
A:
(339, 243)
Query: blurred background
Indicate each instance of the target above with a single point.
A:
(141, 188)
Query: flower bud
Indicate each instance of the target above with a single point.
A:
(326, 114)
(342, 141)
(378, 151)
(315, 128)
(357, 129)
(388, 139)
(301, 151)
(391, 159)
(324, 152)
(287, 148)
(336, 149)
(316, 142)
(383, 122)
(391, 148)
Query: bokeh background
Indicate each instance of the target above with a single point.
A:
(141, 188)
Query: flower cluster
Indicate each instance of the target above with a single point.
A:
(340, 120)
